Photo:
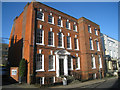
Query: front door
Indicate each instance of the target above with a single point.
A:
(61, 67)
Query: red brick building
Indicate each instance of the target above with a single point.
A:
(55, 44)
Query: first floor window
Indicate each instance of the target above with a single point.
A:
(74, 27)
(96, 32)
(60, 39)
(68, 42)
(39, 38)
(91, 44)
(98, 48)
(93, 61)
(39, 62)
(99, 62)
(50, 38)
(75, 43)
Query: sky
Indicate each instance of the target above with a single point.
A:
(104, 14)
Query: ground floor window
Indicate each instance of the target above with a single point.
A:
(40, 80)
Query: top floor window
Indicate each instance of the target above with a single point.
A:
(75, 27)
(67, 24)
(96, 32)
(51, 18)
(40, 15)
(89, 29)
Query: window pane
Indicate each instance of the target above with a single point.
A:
(39, 62)
(67, 24)
(68, 42)
(39, 35)
(90, 40)
(75, 43)
(50, 61)
(50, 18)
(60, 40)
(40, 15)
(74, 27)
(50, 38)
(89, 29)
(77, 62)
(69, 61)
(59, 22)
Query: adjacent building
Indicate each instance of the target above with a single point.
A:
(55, 44)
(110, 48)
(4, 54)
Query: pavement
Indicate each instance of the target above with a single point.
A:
(71, 85)
(83, 84)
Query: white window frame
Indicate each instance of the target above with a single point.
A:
(42, 39)
(52, 19)
(100, 61)
(77, 44)
(90, 31)
(42, 16)
(69, 26)
(75, 28)
(78, 60)
(62, 41)
(91, 44)
(53, 64)
(71, 65)
(98, 46)
(42, 63)
(96, 31)
(94, 63)
(53, 40)
(70, 43)
(60, 22)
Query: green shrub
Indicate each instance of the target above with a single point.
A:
(22, 68)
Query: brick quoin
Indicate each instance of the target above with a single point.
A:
(23, 44)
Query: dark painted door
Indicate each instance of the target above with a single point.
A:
(61, 66)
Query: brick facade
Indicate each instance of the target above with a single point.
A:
(23, 37)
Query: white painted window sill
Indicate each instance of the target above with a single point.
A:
(76, 49)
(69, 48)
(40, 19)
(68, 28)
(40, 44)
(40, 70)
(60, 26)
(51, 45)
(51, 70)
(94, 68)
(77, 69)
(51, 23)
(60, 47)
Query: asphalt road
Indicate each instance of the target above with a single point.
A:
(110, 83)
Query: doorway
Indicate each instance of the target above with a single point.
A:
(61, 67)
